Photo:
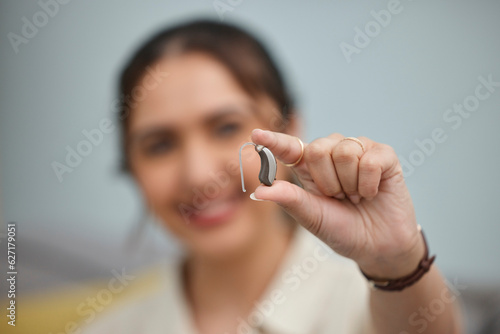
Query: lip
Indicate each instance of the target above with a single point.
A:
(216, 213)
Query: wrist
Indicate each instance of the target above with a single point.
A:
(400, 265)
(389, 283)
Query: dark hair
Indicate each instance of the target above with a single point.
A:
(245, 57)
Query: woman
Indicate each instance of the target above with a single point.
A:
(192, 96)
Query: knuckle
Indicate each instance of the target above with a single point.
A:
(389, 149)
(369, 165)
(316, 150)
(365, 139)
(336, 136)
(344, 153)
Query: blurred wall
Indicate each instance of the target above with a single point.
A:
(397, 72)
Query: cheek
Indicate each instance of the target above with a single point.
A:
(158, 185)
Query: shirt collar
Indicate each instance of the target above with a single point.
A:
(301, 284)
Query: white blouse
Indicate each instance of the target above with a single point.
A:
(314, 291)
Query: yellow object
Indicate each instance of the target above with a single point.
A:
(66, 311)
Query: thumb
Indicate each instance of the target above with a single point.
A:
(300, 204)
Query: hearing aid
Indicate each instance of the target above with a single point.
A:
(268, 165)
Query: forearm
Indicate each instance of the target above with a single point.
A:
(428, 306)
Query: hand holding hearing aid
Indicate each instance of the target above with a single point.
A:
(353, 197)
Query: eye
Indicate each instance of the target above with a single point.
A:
(160, 146)
(227, 129)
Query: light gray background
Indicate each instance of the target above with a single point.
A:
(396, 91)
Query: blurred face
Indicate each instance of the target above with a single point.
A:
(185, 133)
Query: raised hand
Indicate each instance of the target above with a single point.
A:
(354, 198)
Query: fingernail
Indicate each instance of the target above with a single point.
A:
(340, 196)
(354, 198)
(252, 196)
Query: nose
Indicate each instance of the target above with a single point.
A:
(200, 163)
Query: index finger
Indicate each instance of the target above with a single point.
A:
(286, 148)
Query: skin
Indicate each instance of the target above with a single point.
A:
(189, 127)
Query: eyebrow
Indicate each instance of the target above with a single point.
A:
(213, 118)
(228, 111)
(156, 131)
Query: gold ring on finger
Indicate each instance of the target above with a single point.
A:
(357, 141)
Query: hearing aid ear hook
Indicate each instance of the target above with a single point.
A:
(268, 165)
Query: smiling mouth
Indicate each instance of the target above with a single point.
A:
(214, 213)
